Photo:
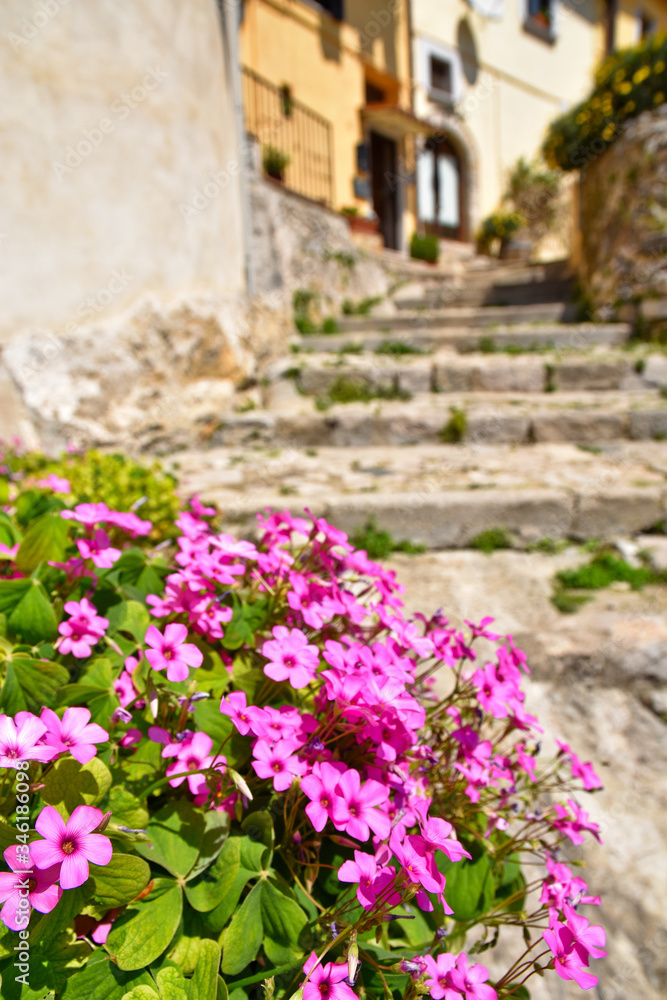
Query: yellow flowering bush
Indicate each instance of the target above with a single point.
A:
(627, 83)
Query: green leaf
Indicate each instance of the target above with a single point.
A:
(176, 833)
(237, 631)
(52, 924)
(126, 808)
(258, 826)
(31, 685)
(204, 983)
(33, 503)
(101, 979)
(146, 929)
(283, 921)
(44, 541)
(119, 882)
(33, 618)
(244, 935)
(69, 784)
(222, 883)
(469, 889)
(211, 721)
(11, 592)
(128, 616)
(171, 984)
(51, 964)
(216, 832)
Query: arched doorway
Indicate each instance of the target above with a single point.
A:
(443, 189)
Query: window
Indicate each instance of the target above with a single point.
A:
(540, 19)
(335, 8)
(645, 25)
(441, 76)
(374, 95)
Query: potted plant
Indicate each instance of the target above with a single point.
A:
(425, 247)
(503, 226)
(275, 161)
(359, 223)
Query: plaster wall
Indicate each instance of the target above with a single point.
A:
(113, 120)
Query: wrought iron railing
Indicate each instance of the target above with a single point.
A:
(277, 120)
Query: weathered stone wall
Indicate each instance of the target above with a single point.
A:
(624, 217)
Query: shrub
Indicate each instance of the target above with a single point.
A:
(275, 161)
(397, 348)
(533, 192)
(454, 430)
(627, 83)
(379, 544)
(491, 540)
(500, 225)
(228, 759)
(426, 247)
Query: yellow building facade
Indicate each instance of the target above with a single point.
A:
(330, 86)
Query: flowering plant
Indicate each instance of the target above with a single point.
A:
(627, 83)
(229, 763)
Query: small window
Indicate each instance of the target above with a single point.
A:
(441, 76)
(334, 7)
(646, 26)
(540, 18)
(374, 95)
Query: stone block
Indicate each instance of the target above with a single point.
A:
(453, 375)
(453, 519)
(509, 375)
(655, 370)
(497, 428)
(648, 425)
(572, 376)
(579, 426)
(619, 511)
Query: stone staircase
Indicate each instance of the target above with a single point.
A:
(471, 401)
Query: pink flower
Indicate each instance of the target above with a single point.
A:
(234, 705)
(321, 787)
(354, 808)
(99, 549)
(22, 742)
(277, 762)
(470, 981)
(436, 833)
(572, 945)
(437, 972)
(56, 483)
(172, 651)
(580, 770)
(71, 845)
(574, 825)
(373, 880)
(326, 982)
(419, 864)
(74, 732)
(191, 754)
(83, 630)
(7, 553)
(291, 657)
(43, 894)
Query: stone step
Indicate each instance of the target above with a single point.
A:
(488, 296)
(525, 337)
(480, 317)
(492, 418)
(446, 371)
(442, 498)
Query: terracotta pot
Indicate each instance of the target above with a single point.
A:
(359, 225)
(512, 248)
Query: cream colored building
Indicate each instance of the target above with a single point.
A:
(490, 75)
